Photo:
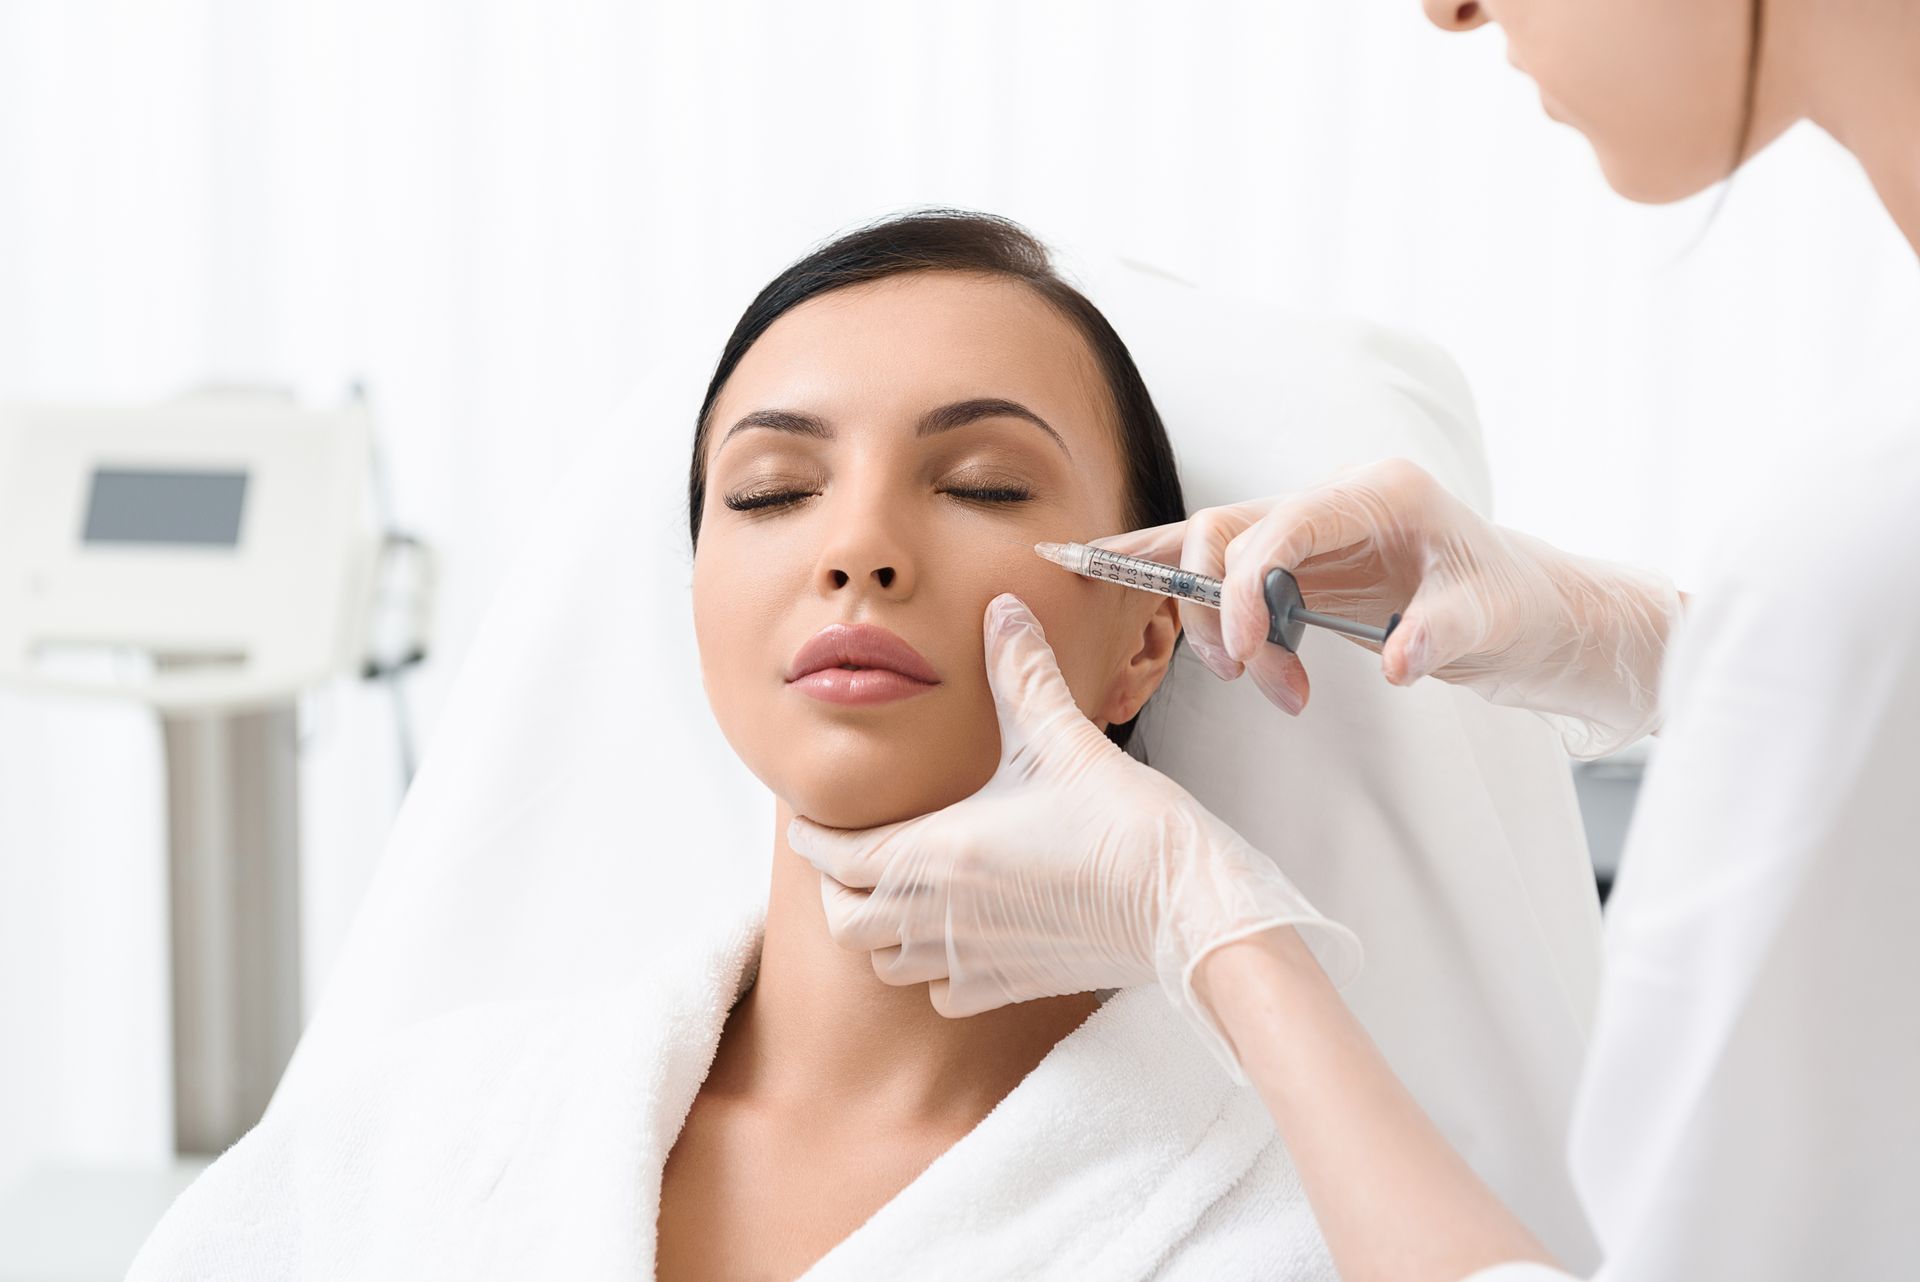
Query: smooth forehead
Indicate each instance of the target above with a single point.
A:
(886, 350)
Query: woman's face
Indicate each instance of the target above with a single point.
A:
(887, 455)
(1657, 86)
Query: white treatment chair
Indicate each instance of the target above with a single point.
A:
(1441, 828)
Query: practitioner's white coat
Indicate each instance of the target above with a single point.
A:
(1751, 1108)
(578, 804)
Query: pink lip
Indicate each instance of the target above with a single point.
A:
(860, 663)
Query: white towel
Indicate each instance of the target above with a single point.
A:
(518, 1140)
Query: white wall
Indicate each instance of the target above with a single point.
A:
(494, 212)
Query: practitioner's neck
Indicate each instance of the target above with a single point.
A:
(819, 1024)
(1857, 63)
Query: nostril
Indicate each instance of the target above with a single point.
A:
(1466, 13)
(885, 575)
(839, 578)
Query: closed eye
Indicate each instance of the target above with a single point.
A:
(761, 500)
(991, 493)
(754, 500)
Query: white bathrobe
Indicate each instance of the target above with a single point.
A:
(521, 1140)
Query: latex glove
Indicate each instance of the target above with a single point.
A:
(1577, 640)
(1075, 867)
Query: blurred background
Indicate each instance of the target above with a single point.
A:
(494, 213)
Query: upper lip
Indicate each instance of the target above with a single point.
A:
(860, 645)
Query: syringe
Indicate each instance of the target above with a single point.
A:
(1287, 616)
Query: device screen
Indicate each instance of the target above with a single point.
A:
(144, 506)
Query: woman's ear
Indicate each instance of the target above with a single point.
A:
(1142, 671)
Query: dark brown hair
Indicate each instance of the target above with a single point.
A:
(959, 240)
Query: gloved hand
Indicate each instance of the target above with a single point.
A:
(1076, 867)
(1579, 641)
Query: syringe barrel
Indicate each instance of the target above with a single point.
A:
(1138, 572)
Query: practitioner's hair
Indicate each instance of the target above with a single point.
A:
(1749, 108)
(960, 240)
(1750, 92)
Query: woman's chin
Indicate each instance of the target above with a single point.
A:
(872, 800)
(852, 776)
(836, 810)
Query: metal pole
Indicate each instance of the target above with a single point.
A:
(233, 844)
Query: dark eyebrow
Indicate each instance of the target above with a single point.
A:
(961, 413)
(944, 419)
(780, 421)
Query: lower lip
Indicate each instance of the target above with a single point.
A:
(859, 685)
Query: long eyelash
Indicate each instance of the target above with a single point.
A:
(760, 499)
(993, 494)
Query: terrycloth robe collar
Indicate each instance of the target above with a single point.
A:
(1094, 1167)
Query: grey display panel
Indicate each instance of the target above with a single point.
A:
(199, 509)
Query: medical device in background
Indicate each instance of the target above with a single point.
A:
(1609, 788)
(1287, 615)
(211, 558)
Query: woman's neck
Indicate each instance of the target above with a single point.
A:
(819, 1025)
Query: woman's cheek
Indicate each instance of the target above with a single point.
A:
(1078, 616)
(731, 613)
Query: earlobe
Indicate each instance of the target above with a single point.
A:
(1143, 670)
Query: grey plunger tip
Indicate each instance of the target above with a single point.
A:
(1288, 617)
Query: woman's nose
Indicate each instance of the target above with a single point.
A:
(883, 575)
(864, 556)
(1457, 15)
